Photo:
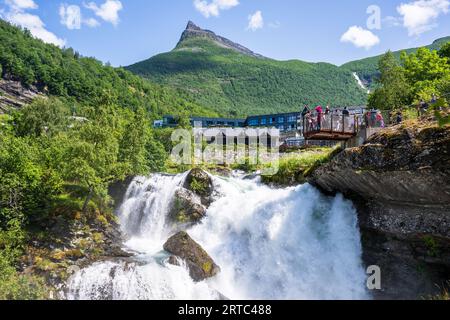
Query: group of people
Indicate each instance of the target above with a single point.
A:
(319, 117)
(374, 119)
(314, 121)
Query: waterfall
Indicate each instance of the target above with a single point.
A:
(360, 83)
(291, 243)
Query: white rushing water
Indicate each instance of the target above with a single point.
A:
(270, 243)
(360, 83)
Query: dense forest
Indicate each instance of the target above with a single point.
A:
(413, 82)
(235, 84)
(80, 80)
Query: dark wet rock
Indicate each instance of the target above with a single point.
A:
(400, 184)
(118, 190)
(117, 252)
(200, 183)
(201, 266)
(223, 172)
(187, 207)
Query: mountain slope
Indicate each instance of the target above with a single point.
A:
(367, 69)
(234, 81)
(63, 73)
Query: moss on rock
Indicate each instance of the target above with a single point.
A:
(201, 266)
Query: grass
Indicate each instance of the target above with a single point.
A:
(296, 167)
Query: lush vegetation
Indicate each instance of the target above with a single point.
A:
(367, 69)
(49, 159)
(81, 80)
(423, 76)
(235, 84)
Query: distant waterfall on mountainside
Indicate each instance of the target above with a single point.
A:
(270, 243)
(360, 83)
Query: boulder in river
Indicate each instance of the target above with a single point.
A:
(187, 207)
(200, 183)
(201, 266)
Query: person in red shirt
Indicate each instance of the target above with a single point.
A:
(319, 111)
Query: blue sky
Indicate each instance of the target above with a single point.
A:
(126, 31)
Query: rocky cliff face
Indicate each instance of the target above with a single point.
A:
(193, 31)
(13, 95)
(400, 183)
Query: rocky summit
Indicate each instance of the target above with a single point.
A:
(194, 31)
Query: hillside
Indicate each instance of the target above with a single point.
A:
(367, 68)
(81, 80)
(235, 81)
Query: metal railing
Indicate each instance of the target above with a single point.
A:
(332, 124)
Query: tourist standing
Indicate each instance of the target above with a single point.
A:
(319, 111)
(399, 117)
(305, 111)
(346, 113)
(380, 120)
(434, 99)
(423, 107)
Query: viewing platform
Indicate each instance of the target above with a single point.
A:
(332, 127)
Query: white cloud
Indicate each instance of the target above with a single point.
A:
(71, 17)
(17, 15)
(255, 21)
(108, 11)
(91, 22)
(21, 4)
(213, 7)
(360, 37)
(36, 26)
(420, 16)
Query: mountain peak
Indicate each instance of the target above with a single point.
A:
(192, 26)
(194, 31)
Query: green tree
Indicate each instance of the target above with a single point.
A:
(156, 155)
(425, 70)
(444, 52)
(92, 159)
(26, 186)
(393, 91)
(133, 150)
(42, 117)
